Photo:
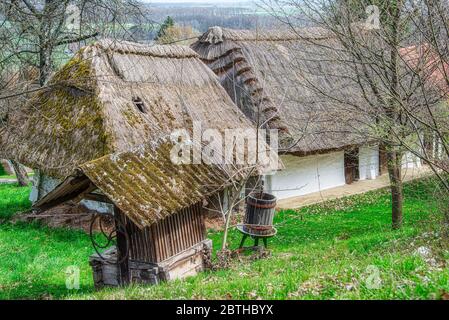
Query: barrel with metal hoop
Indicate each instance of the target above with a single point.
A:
(260, 209)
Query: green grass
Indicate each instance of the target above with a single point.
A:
(342, 249)
(33, 258)
(2, 171)
(12, 200)
(34, 261)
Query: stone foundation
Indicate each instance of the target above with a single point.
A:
(184, 264)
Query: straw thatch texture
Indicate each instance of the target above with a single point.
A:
(89, 108)
(269, 75)
(15, 88)
(145, 184)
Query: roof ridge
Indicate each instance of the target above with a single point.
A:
(154, 50)
(218, 34)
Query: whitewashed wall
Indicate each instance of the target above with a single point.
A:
(409, 160)
(304, 175)
(438, 151)
(48, 183)
(369, 162)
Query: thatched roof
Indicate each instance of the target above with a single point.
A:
(144, 183)
(17, 86)
(114, 95)
(268, 75)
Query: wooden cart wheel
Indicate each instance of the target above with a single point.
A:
(120, 228)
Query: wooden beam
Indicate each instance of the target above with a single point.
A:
(97, 197)
(58, 201)
(86, 191)
(122, 248)
(78, 179)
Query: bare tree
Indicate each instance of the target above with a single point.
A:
(377, 46)
(37, 31)
(431, 22)
(41, 35)
(21, 174)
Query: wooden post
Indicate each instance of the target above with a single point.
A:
(429, 145)
(122, 247)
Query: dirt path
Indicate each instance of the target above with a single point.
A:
(349, 189)
(8, 181)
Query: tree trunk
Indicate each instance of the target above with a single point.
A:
(393, 113)
(395, 173)
(21, 174)
(45, 65)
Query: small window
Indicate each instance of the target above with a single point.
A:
(4, 119)
(139, 104)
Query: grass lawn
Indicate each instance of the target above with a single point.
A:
(33, 258)
(342, 249)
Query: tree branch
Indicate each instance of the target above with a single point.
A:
(77, 39)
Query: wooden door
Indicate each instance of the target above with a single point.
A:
(352, 165)
(383, 161)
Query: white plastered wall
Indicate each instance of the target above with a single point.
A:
(369, 162)
(305, 175)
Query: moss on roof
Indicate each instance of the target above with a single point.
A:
(88, 109)
(60, 121)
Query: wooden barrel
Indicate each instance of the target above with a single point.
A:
(260, 208)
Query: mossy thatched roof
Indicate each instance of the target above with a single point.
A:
(114, 95)
(145, 184)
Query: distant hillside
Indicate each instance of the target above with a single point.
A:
(223, 4)
(201, 16)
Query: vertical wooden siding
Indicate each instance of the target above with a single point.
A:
(167, 237)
